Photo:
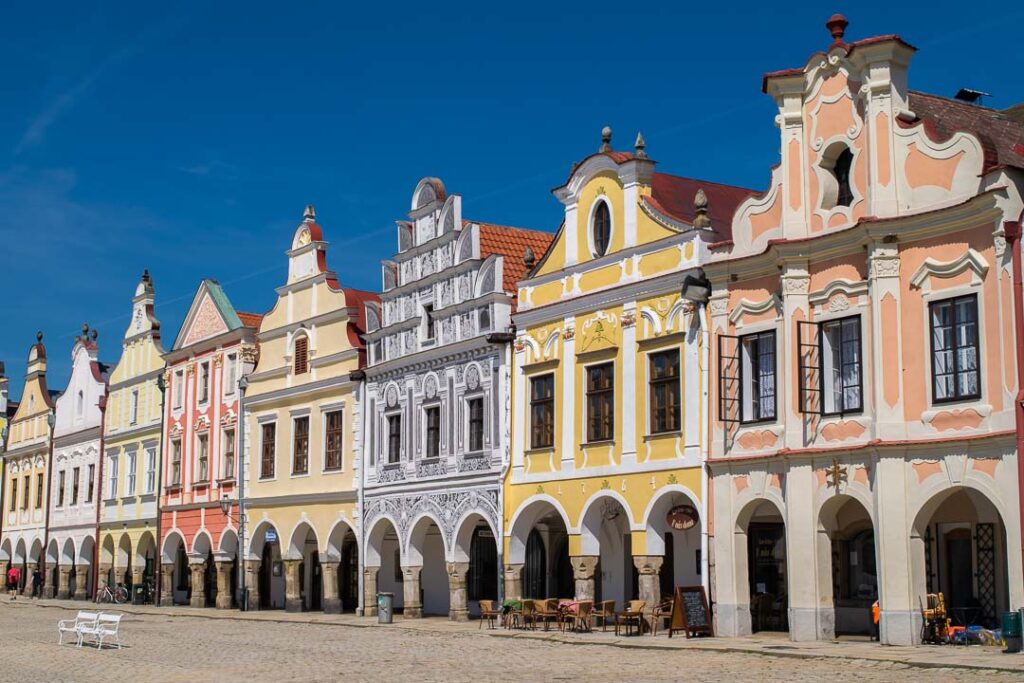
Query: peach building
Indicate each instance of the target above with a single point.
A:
(863, 431)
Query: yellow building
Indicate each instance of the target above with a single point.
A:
(604, 498)
(301, 438)
(26, 471)
(130, 462)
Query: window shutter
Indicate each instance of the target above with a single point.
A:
(728, 378)
(809, 362)
(301, 355)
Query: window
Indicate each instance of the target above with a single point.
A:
(542, 411)
(91, 484)
(602, 228)
(26, 491)
(176, 462)
(203, 460)
(179, 389)
(229, 454)
(301, 354)
(428, 319)
(204, 382)
(484, 319)
(601, 402)
(230, 373)
(830, 366)
(60, 487)
(955, 361)
(129, 474)
(300, 452)
(14, 494)
(475, 407)
(39, 490)
(135, 406)
(150, 470)
(757, 371)
(394, 438)
(267, 450)
(80, 403)
(433, 420)
(841, 170)
(112, 488)
(664, 391)
(74, 485)
(334, 439)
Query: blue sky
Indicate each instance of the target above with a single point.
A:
(188, 140)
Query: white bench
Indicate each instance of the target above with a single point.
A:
(74, 625)
(104, 628)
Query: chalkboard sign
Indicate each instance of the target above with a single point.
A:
(690, 612)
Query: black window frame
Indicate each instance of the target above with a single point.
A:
(394, 424)
(952, 302)
(666, 383)
(543, 406)
(601, 228)
(755, 372)
(598, 396)
(475, 417)
(813, 371)
(432, 424)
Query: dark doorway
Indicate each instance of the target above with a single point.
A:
(348, 576)
(666, 578)
(535, 570)
(210, 580)
(482, 578)
(767, 572)
(960, 569)
(316, 589)
(266, 570)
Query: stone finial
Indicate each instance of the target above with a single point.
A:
(39, 336)
(640, 146)
(606, 139)
(309, 214)
(529, 258)
(85, 332)
(95, 334)
(836, 25)
(700, 210)
(145, 275)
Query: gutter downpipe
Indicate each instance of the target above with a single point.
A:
(363, 454)
(161, 385)
(1012, 230)
(506, 339)
(705, 357)
(243, 594)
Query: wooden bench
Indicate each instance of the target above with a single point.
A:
(104, 628)
(74, 625)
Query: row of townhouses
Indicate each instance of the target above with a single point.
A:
(803, 399)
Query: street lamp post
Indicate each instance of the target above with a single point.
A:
(243, 594)
(161, 385)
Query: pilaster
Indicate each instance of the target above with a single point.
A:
(81, 582)
(292, 594)
(458, 595)
(166, 585)
(198, 570)
(886, 361)
(331, 598)
(370, 591)
(224, 569)
(649, 568)
(411, 592)
(583, 570)
(514, 581)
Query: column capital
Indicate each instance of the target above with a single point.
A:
(648, 564)
(584, 566)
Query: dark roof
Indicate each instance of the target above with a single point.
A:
(673, 195)
(1001, 132)
(512, 243)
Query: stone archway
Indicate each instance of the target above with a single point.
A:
(145, 561)
(265, 568)
(123, 562)
(605, 538)
(303, 574)
(473, 573)
(85, 570)
(204, 571)
(53, 565)
(341, 570)
(383, 566)
(425, 572)
(760, 572)
(675, 551)
(227, 563)
(848, 572)
(106, 568)
(175, 575)
(538, 564)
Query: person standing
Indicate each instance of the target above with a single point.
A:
(13, 579)
(37, 583)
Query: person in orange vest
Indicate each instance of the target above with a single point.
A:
(875, 614)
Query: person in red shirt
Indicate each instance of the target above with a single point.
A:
(13, 579)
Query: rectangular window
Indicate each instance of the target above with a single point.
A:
(229, 454)
(179, 389)
(601, 402)
(829, 355)
(60, 487)
(135, 406)
(129, 474)
(663, 368)
(150, 470)
(176, 462)
(90, 485)
(334, 438)
(74, 485)
(394, 438)
(203, 459)
(26, 491)
(301, 354)
(433, 420)
(267, 450)
(757, 377)
(475, 407)
(955, 360)
(112, 488)
(14, 494)
(230, 373)
(204, 382)
(542, 411)
(39, 490)
(428, 318)
(300, 451)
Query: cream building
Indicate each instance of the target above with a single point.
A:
(74, 477)
(301, 438)
(128, 470)
(26, 466)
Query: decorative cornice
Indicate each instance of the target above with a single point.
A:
(943, 269)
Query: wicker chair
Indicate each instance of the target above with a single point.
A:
(662, 610)
(634, 608)
(581, 618)
(547, 612)
(604, 613)
(488, 613)
(528, 615)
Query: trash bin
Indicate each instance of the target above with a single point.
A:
(385, 607)
(139, 595)
(1012, 631)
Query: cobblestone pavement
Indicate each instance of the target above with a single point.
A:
(184, 648)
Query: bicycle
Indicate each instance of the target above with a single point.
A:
(118, 596)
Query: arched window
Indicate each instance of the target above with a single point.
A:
(841, 170)
(301, 354)
(837, 165)
(601, 229)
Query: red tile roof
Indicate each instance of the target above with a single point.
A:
(250, 319)
(673, 195)
(512, 243)
(1001, 132)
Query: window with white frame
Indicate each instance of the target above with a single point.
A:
(60, 487)
(600, 391)
(664, 391)
(432, 415)
(204, 382)
(90, 485)
(179, 389)
(300, 445)
(542, 411)
(150, 469)
(334, 439)
(175, 462)
(203, 458)
(134, 415)
(112, 490)
(394, 438)
(475, 412)
(601, 228)
(229, 454)
(129, 473)
(230, 374)
(74, 485)
(268, 434)
(956, 364)
(746, 377)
